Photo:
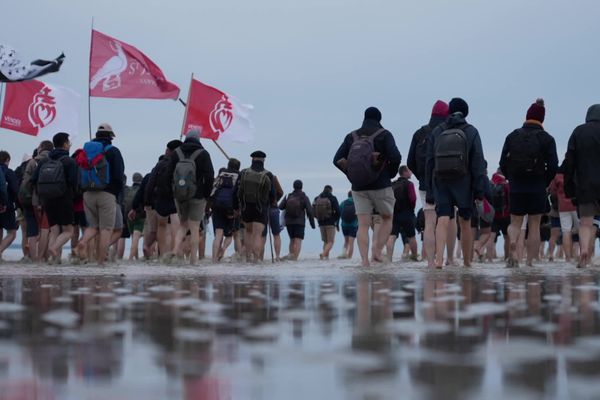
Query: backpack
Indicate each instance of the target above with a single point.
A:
(128, 196)
(25, 194)
(360, 169)
(525, 155)
(162, 180)
(421, 150)
(94, 169)
(293, 206)
(223, 196)
(400, 188)
(323, 209)
(185, 182)
(451, 154)
(348, 212)
(51, 183)
(499, 197)
(255, 187)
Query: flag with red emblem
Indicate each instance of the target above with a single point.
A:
(217, 115)
(119, 70)
(40, 109)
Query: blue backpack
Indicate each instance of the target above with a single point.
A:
(94, 173)
(223, 196)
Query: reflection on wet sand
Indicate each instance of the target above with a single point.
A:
(370, 336)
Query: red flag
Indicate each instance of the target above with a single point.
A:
(39, 109)
(216, 114)
(119, 70)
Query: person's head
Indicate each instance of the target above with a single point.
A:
(234, 164)
(405, 172)
(297, 184)
(61, 141)
(172, 146)
(373, 114)
(349, 193)
(193, 134)
(45, 145)
(440, 109)
(327, 189)
(458, 105)
(105, 131)
(536, 111)
(137, 178)
(4, 157)
(593, 113)
(258, 155)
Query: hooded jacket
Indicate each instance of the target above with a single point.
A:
(12, 187)
(205, 173)
(417, 162)
(475, 179)
(116, 167)
(384, 144)
(334, 220)
(307, 210)
(581, 165)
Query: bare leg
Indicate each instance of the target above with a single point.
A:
(441, 235)
(7, 240)
(451, 242)
(429, 236)
(466, 241)
(567, 245)
(381, 236)
(390, 247)
(586, 228)
(194, 227)
(364, 223)
(514, 231)
(217, 243)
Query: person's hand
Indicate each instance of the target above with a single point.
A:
(131, 215)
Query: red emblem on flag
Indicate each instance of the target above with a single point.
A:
(42, 110)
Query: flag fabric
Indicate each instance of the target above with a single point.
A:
(119, 70)
(40, 109)
(217, 114)
(13, 69)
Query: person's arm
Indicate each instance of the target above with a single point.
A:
(551, 159)
(392, 155)
(411, 160)
(477, 167)
(429, 164)
(151, 186)
(341, 156)
(283, 203)
(278, 188)
(309, 212)
(336, 211)
(12, 184)
(71, 173)
(208, 174)
(117, 171)
(504, 156)
(568, 166)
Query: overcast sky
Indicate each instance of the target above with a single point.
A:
(311, 67)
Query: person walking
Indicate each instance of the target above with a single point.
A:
(222, 200)
(349, 222)
(327, 213)
(404, 222)
(296, 207)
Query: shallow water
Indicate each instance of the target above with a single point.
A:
(318, 330)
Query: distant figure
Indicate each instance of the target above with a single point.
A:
(222, 200)
(296, 207)
(327, 213)
(349, 225)
(404, 214)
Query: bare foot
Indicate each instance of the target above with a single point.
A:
(365, 263)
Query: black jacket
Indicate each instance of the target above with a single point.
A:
(116, 168)
(139, 200)
(417, 162)
(308, 211)
(519, 184)
(384, 144)
(475, 179)
(582, 162)
(164, 182)
(12, 187)
(204, 167)
(335, 210)
(256, 166)
(69, 167)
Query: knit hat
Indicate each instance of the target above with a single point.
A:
(173, 144)
(440, 109)
(537, 111)
(458, 105)
(193, 134)
(297, 184)
(137, 177)
(373, 113)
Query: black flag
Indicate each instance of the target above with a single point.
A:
(12, 69)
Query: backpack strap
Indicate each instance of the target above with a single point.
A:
(179, 153)
(379, 132)
(196, 154)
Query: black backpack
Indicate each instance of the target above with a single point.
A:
(360, 168)
(51, 183)
(421, 150)
(348, 212)
(223, 196)
(525, 157)
(499, 197)
(451, 154)
(293, 206)
(400, 188)
(162, 185)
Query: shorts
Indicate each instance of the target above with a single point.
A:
(527, 203)
(404, 225)
(191, 210)
(295, 231)
(137, 225)
(274, 222)
(568, 221)
(222, 221)
(100, 209)
(60, 211)
(32, 223)
(164, 208)
(501, 225)
(327, 233)
(118, 225)
(151, 222)
(479, 223)
(251, 213)
(589, 209)
(555, 222)
(79, 219)
(42, 219)
(349, 230)
(380, 200)
(424, 204)
(8, 220)
(453, 194)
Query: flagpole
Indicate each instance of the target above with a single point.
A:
(89, 79)
(185, 117)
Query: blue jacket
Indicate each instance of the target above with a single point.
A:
(475, 179)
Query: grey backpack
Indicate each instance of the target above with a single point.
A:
(360, 168)
(451, 154)
(51, 183)
(185, 182)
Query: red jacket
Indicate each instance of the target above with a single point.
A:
(499, 179)
(557, 187)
